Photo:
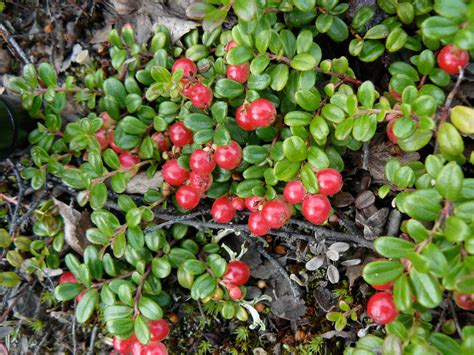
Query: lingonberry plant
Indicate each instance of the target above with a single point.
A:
(261, 117)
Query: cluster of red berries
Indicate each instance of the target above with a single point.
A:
(159, 330)
(237, 274)
(202, 163)
(275, 213)
(450, 59)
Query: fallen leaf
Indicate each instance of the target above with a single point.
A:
(75, 226)
(141, 183)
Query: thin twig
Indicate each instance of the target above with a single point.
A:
(21, 191)
(138, 295)
(455, 318)
(74, 343)
(13, 45)
(92, 341)
(449, 100)
(294, 289)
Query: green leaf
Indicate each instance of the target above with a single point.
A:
(217, 264)
(286, 170)
(115, 89)
(396, 40)
(381, 272)
(444, 343)
(423, 205)
(305, 5)
(93, 262)
(455, 229)
(309, 179)
(303, 62)
(426, 288)
(450, 141)
(245, 9)
(309, 100)
(402, 294)
(117, 312)
(149, 308)
(121, 327)
(259, 82)
(239, 55)
(98, 196)
(366, 94)
(246, 187)
(364, 128)
(437, 261)
(449, 181)
(416, 141)
(298, 118)
(228, 88)
(279, 75)
(198, 121)
(371, 50)
(203, 136)
(465, 284)
(203, 287)
(338, 31)
(141, 330)
(63, 292)
(417, 230)
(455, 9)
(47, 74)
(294, 149)
(438, 27)
(254, 154)
(86, 305)
(392, 247)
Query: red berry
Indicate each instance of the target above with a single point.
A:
(187, 87)
(262, 113)
(202, 162)
(201, 183)
(253, 203)
(162, 142)
(235, 292)
(294, 192)
(67, 277)
(238, 203)
(381, 308)
(257, 224)
(102, 137)
(128, 160)
(383, 287)
(243, 119)
(188, 66)
(330, 181)
(187, 197)
(79, 296)
(180, 135)
(275, 213)
(237, 273)
(228, 156)
(464, 301)
(156, 348)
(107, 121)
(159, 329)
(222, 210)
(239, 73)
(451, 59)
(138, 348)
(316, 208)
(113, 145)
(389, 130)
(123, 346)
(201, 96)
(173, 173)
(231, 44)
